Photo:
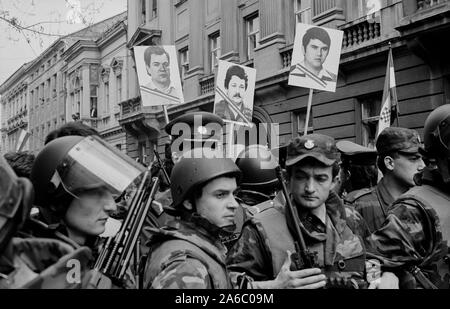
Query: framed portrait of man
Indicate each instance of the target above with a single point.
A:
(158, 75)
(316, 56)
(235, 91)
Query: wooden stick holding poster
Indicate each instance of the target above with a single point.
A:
(308, 111)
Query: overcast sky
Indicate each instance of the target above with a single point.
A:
(14, 48)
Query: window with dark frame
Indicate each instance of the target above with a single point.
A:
(253, 34)
(370, 114)
(184, 62)
(214, 51)
(302, 10)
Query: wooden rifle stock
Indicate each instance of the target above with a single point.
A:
(302, 258)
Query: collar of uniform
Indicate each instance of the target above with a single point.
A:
(189, 230)
(322, 73)
(152, 86)
(384, 195)
(314, 227)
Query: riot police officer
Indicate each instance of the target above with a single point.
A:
(29, 262)
(77, 180)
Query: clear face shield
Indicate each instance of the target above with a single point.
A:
(94, 164)
(10, 193)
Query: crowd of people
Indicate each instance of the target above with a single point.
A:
(318, 217)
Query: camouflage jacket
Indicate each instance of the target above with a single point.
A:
(372, 204)
(415, 235)
(243, 213)
(185, 255)
(258, 254)
(42, 263)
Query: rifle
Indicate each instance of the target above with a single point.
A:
(302, 258)
(114, 259)
(162, 167)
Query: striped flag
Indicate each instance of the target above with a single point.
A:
(22, 140)
(389, 110)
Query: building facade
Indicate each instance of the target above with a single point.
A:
(64, 84)
(260, 34)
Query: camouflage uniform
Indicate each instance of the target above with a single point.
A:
(372, 204)
(40, 263)
(186, 255)
(415, 235)
(261, 251)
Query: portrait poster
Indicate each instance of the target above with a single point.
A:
(316, 57)
(158, 75)
(235, 91)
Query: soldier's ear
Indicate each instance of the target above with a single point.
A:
(188, 205)
(389, 163)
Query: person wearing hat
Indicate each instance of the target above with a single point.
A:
(195, 130)
(188, 252)
(259, 184)
(188, 131)
(262, 256)
(414, 240)
(399, 161)
(358, 169)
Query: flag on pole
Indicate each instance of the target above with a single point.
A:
(389, 109)
(22, 140)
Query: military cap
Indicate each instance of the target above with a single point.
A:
(353, 153)
(203, 125)
(398, 140)
(320, 147)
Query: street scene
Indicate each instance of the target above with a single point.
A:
(224, 145)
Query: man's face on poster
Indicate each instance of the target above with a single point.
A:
(159, 70)
(316, 53)
(236, 90)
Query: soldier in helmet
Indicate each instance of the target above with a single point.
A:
(261, 258)
(187, 132)
(259, 184)
(413, 242)
(399, 160)
(29, 262)
(188, 252)
(77, 180)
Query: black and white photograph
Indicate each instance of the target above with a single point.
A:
(315, 59)
(235, 91)
(158, 74)
(224, 152)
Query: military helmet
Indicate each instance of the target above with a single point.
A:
(437, 130)
(437, 139)
(191, 172)
(258, 166)
(16, 200)
(73, 164)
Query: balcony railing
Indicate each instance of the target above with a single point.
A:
(360, 32)
(207, 85)
(425, 4)
(286, 57)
